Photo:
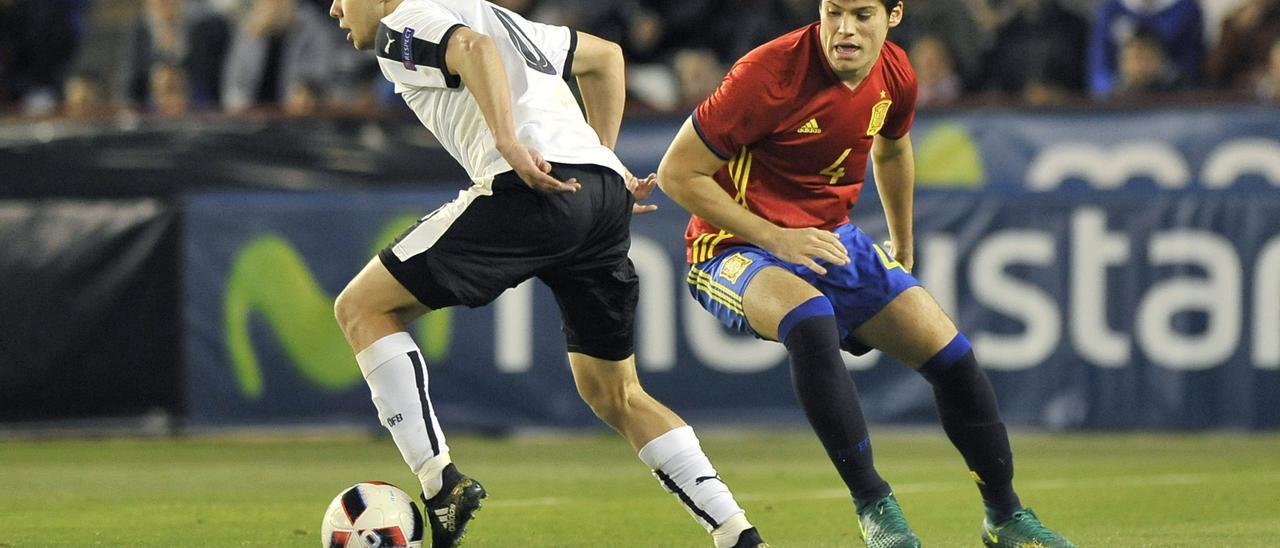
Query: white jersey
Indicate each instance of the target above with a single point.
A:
(538, 58)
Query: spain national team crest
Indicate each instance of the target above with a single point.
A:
(879, 113)
(733, 267)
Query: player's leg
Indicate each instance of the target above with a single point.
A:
(665, 444)
(447, 258)
(612, 390)
(598, 309)
(750, 291)
(914, 329)
(781, 306)
(373, 311)
(597, 290)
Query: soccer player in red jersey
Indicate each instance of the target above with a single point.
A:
(770, 165)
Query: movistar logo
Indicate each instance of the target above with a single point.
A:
(270, 279)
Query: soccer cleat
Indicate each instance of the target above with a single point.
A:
(750, 538)
(883, 525)
(1023, 530)
(451, 509)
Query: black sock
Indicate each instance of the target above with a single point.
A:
(830, 401)
(967, 407)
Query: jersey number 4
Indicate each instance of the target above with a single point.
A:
(836, 169)
(532, 55)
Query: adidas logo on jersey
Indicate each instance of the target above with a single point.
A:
(810, 127)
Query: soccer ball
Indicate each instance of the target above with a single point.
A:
(372, 515)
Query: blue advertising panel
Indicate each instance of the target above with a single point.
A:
(1136, 310)
(1101, 289)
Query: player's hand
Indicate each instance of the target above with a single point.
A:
(807, 246)
(533, 169)
(641, 189)
(904, 254)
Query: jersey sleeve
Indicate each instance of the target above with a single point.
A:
(745, 108)
(411, 46)
(903, 110)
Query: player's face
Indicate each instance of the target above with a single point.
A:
(853, 31)
(360, 18)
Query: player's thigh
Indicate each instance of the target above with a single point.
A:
(771, 294)
(598, 306)
(912, 328)
(374, 296)
(375, 291)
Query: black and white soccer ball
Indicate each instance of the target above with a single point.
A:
(372, 515)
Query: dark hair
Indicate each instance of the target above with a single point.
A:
(889, 4)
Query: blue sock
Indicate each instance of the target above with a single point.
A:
(829, 398)
(971, 418)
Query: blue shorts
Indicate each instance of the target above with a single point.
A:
(857, 290)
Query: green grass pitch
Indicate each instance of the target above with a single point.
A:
(1103, 490)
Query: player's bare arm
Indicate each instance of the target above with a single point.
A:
(686, 175)
(474, 57)
(894, 165)
(601, 70)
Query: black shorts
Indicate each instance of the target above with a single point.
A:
(472, 249)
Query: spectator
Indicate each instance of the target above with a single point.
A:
(1144, 67)
(31, 70)
(1037, 56)
(275, 44)
(165, 33)
(936, 77)
(626, 22)
(956, 24)
(1240, 59)
(1215, 12)
(699, 73)
(304, 98)
(170, 93)
(1269, 85)
(1177, 23)
(756, 22)
(84, 95)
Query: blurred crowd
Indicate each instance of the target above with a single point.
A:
(174, 57)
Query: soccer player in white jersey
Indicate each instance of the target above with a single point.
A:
(549, 199)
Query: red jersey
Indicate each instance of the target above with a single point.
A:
(795, 136)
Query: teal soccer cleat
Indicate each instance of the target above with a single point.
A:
(883, 525)
(1023, 530)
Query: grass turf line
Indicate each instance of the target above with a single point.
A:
(1126, 490)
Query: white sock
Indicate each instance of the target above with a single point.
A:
(430, 474)
(678, 462)
(397, 377)
(726, 535)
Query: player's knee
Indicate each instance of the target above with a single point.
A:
(612, 404)
(347, 310)
(954, 359)
(814, 317)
